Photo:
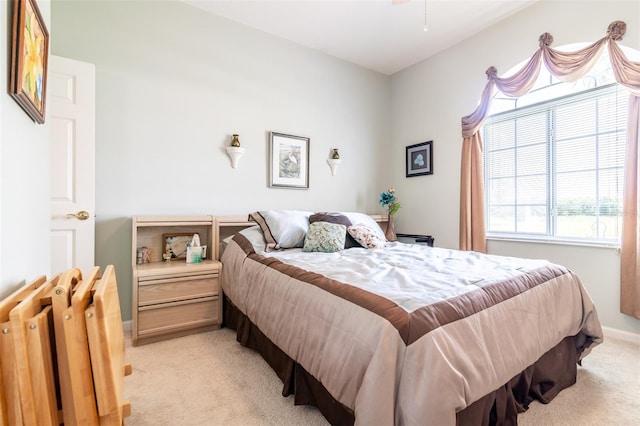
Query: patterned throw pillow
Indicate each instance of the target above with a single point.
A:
(325, 237)
(358, 218)
(367, 237)
(336, 218)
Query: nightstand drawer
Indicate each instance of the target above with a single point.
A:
(178, 315)
(174, 289)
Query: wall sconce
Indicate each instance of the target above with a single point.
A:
(234, 151)
(334, 161)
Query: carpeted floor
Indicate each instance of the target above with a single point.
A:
(209, 379)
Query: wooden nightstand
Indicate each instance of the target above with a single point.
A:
(174, 298)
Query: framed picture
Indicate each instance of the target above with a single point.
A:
(176, 244)
(288, 161)
(29, 57)
(420, 159)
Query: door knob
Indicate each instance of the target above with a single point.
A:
(81, 215)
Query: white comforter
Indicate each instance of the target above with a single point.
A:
(411, 275)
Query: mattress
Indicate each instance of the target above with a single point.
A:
(408, 334)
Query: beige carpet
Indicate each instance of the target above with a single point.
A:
(209, 379)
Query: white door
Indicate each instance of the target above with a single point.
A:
(71, 116)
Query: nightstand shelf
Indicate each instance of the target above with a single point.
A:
(174, 298)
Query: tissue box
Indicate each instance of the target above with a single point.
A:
(196, 254)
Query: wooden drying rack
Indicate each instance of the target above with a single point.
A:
(62, 352)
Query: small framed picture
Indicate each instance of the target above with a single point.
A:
(29, 56)
(288, 161)
(176, 244)
(420, 159)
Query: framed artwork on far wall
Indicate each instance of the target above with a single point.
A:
(29, 57)
(419, 159)
(288, 161)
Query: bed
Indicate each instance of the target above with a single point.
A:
(391, 333)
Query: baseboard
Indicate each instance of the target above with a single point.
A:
(614, 333)
(126, 326)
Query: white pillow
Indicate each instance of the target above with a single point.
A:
(282, 228)
(255, 237)
(357, 218)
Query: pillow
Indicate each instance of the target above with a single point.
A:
(367, 237)
(336, 218)
(255, 237)
(364, 219)
(282, 228)
(325, 237)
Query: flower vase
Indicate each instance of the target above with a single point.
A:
(390, 233)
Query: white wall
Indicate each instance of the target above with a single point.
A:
(174, 83)
(24, 180)
(429, 99)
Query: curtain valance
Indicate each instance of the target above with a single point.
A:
(566, 66)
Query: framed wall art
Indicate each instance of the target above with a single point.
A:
(29, 57)
(419, 159)
(288, 161)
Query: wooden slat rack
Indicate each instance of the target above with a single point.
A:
(62, 352)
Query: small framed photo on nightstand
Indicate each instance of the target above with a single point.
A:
(176, 244)
(419, 159)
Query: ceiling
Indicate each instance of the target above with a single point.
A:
(383, 35)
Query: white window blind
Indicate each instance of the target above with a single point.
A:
(554, 170)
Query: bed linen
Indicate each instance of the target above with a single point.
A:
(408, 334)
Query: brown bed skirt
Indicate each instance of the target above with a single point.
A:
(542, 381)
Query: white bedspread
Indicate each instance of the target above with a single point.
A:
(411, 275)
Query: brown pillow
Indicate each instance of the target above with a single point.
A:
(339, 219)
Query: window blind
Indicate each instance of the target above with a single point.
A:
(555, 169)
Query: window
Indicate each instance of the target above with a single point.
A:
(554, 161)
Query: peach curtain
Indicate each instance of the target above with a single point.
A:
(630, 247)
(472, 199)
(568, 67)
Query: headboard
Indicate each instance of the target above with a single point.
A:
(229, 225)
